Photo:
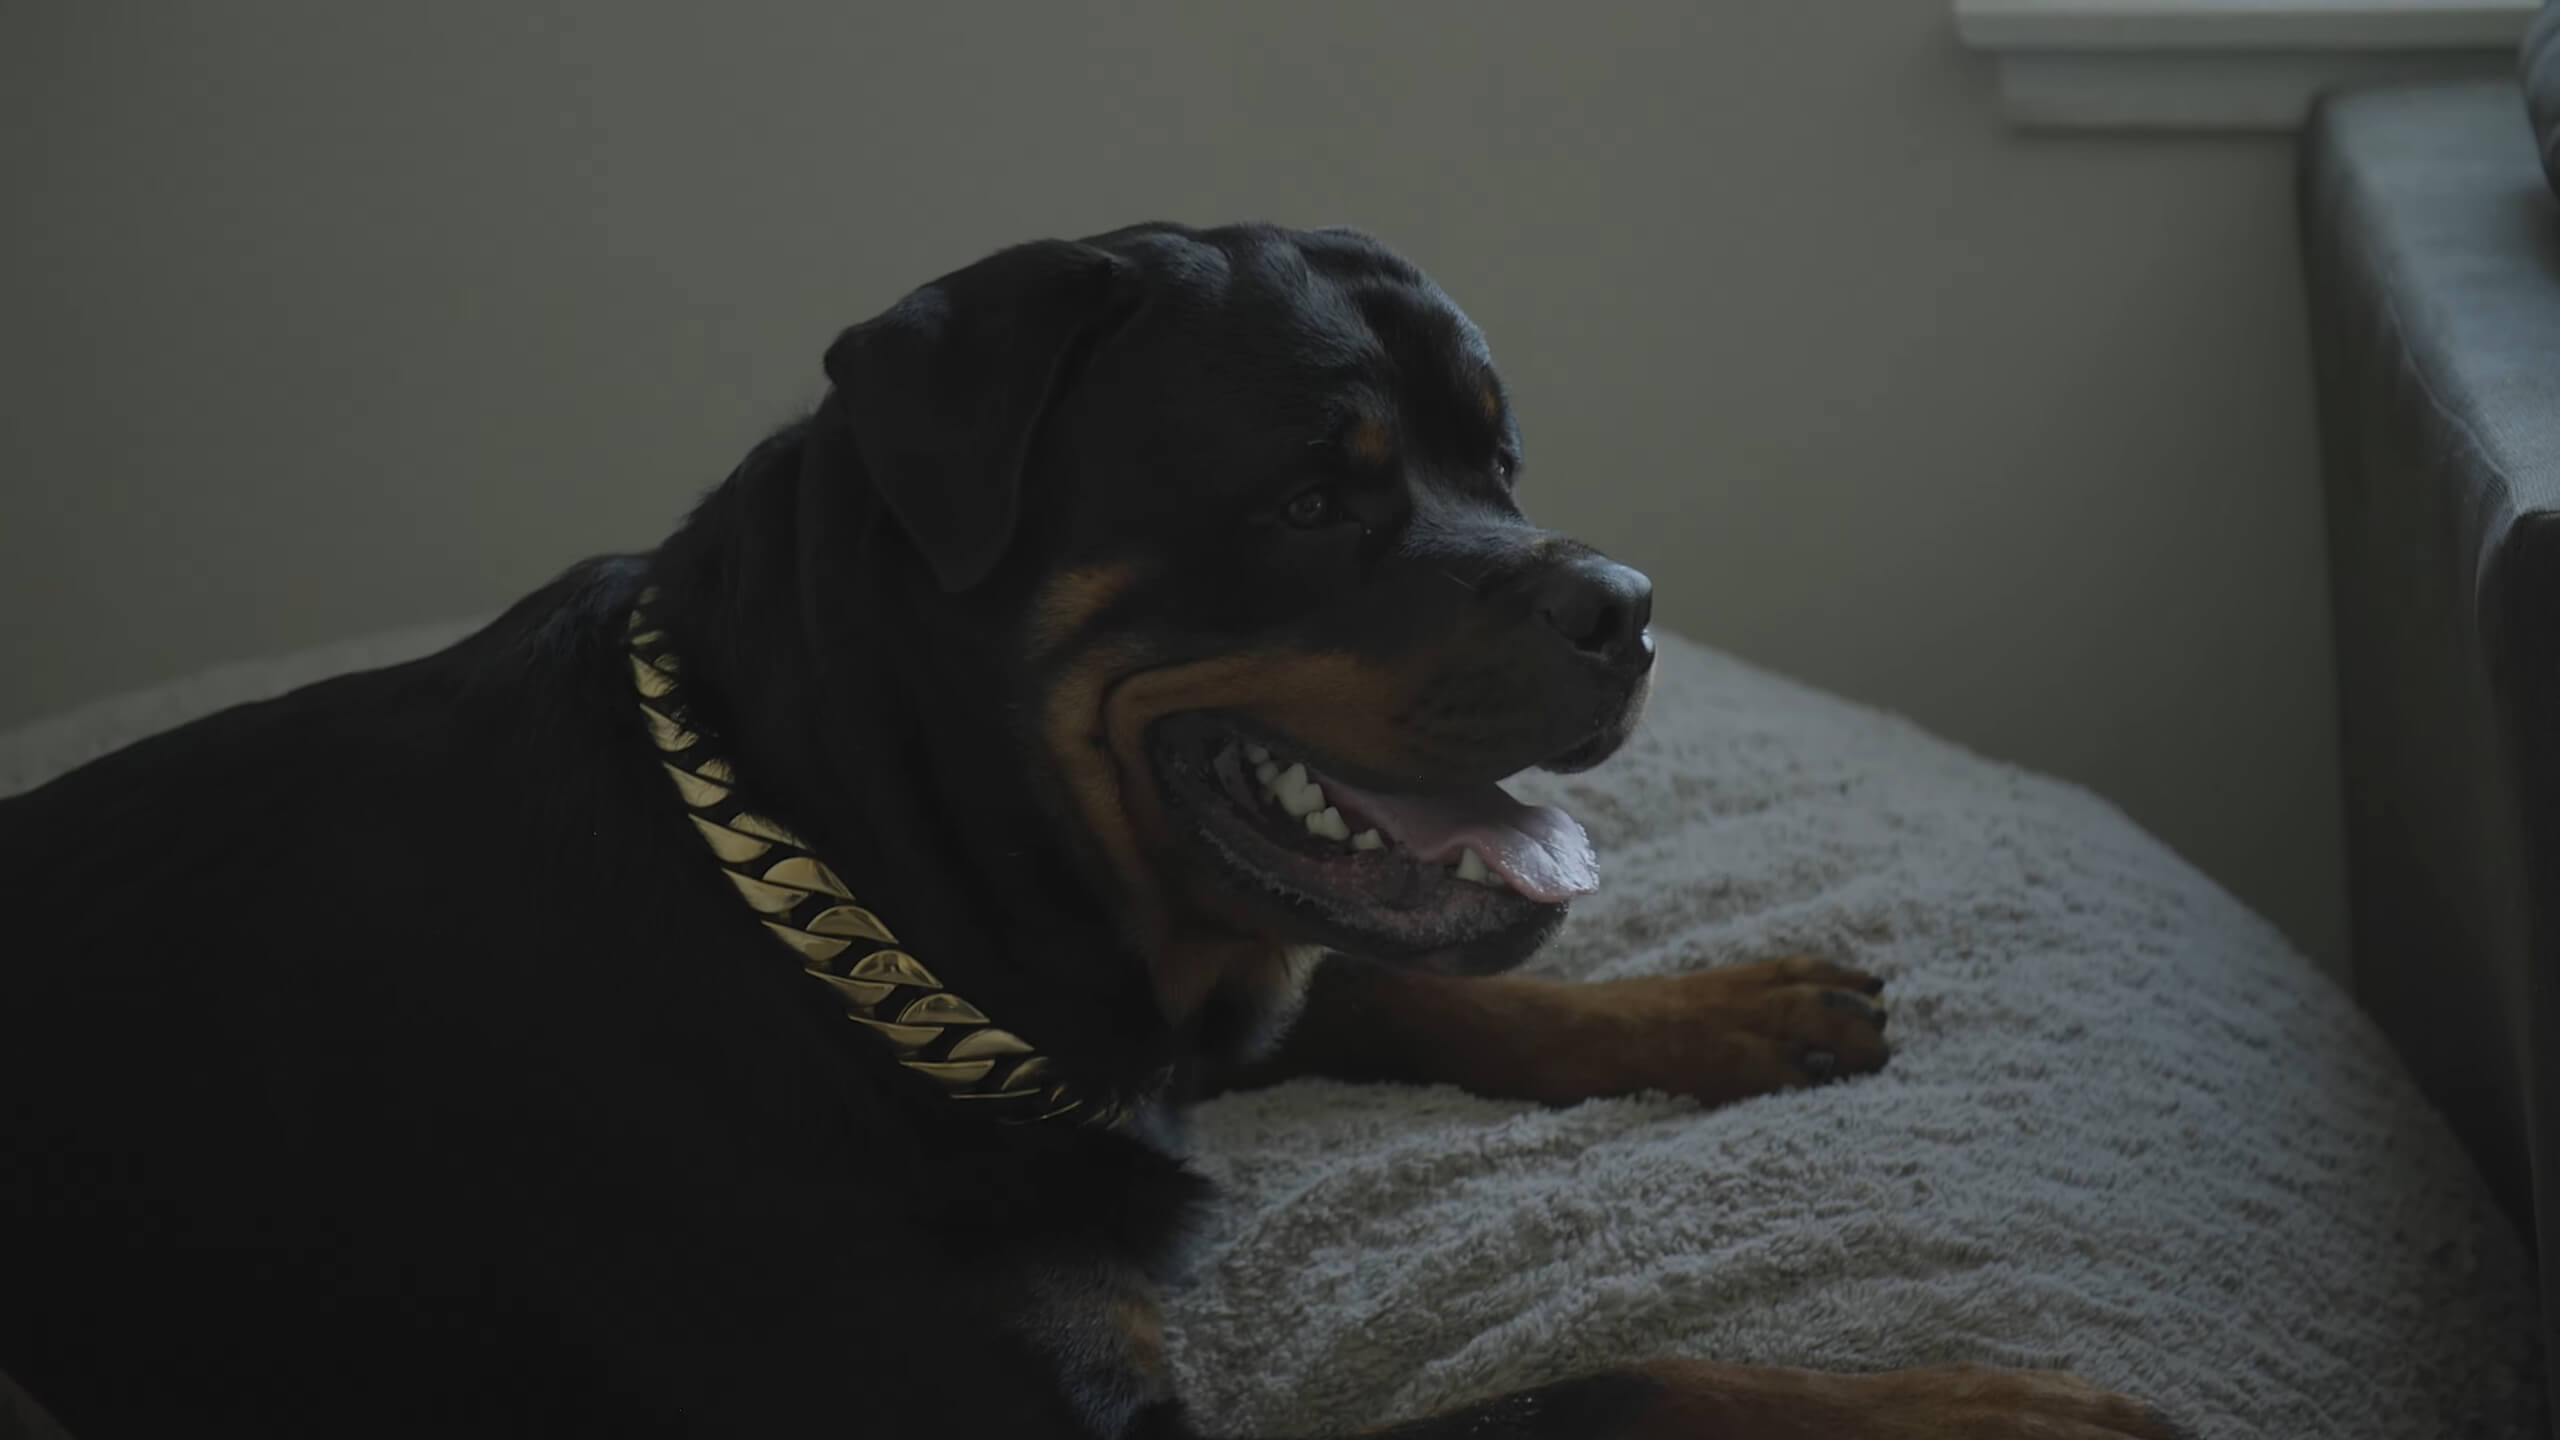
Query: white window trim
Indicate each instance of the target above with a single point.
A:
(2224, 65)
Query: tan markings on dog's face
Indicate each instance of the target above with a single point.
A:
(1099, 713)
(1489, 399)
(1079, 748)
(1073, 600)
(1332, 701)
(1370, 441)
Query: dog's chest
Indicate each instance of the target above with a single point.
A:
(1100, 1325)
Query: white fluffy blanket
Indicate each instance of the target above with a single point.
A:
(2127, 1130)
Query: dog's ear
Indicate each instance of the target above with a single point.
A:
(946, 390)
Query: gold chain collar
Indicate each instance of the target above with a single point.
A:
(806, 906)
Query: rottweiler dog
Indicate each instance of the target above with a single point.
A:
(752, 989)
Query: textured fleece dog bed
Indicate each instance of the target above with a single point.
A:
(2127, 1130)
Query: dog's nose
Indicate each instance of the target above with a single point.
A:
(1601, 608)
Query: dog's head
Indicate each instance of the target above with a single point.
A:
(1234, 511)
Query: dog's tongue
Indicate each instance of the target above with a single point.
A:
(1538, 850)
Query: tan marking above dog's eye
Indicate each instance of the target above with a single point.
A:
(1370, 442)
(1490, 399)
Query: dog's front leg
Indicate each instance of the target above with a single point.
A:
(1716, 1035)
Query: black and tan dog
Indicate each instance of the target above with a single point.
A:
(751, 989)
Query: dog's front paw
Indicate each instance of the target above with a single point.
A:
(1742, 1030)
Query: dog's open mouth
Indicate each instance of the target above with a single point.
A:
(1382, 873)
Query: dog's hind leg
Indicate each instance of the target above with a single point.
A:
(1695, 1400)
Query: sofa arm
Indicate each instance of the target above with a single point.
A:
(2432, 253)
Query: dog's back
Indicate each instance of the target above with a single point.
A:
(371, 1025)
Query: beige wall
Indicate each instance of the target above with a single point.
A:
(319, 321)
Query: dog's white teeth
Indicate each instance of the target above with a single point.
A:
(1368, 840)
(1257, 754)
(1301, 798)
(1471, 867)
(1298, 795)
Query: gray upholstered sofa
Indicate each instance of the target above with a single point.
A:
(2432, 237)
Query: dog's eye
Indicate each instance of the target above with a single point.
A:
(1311, 509)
